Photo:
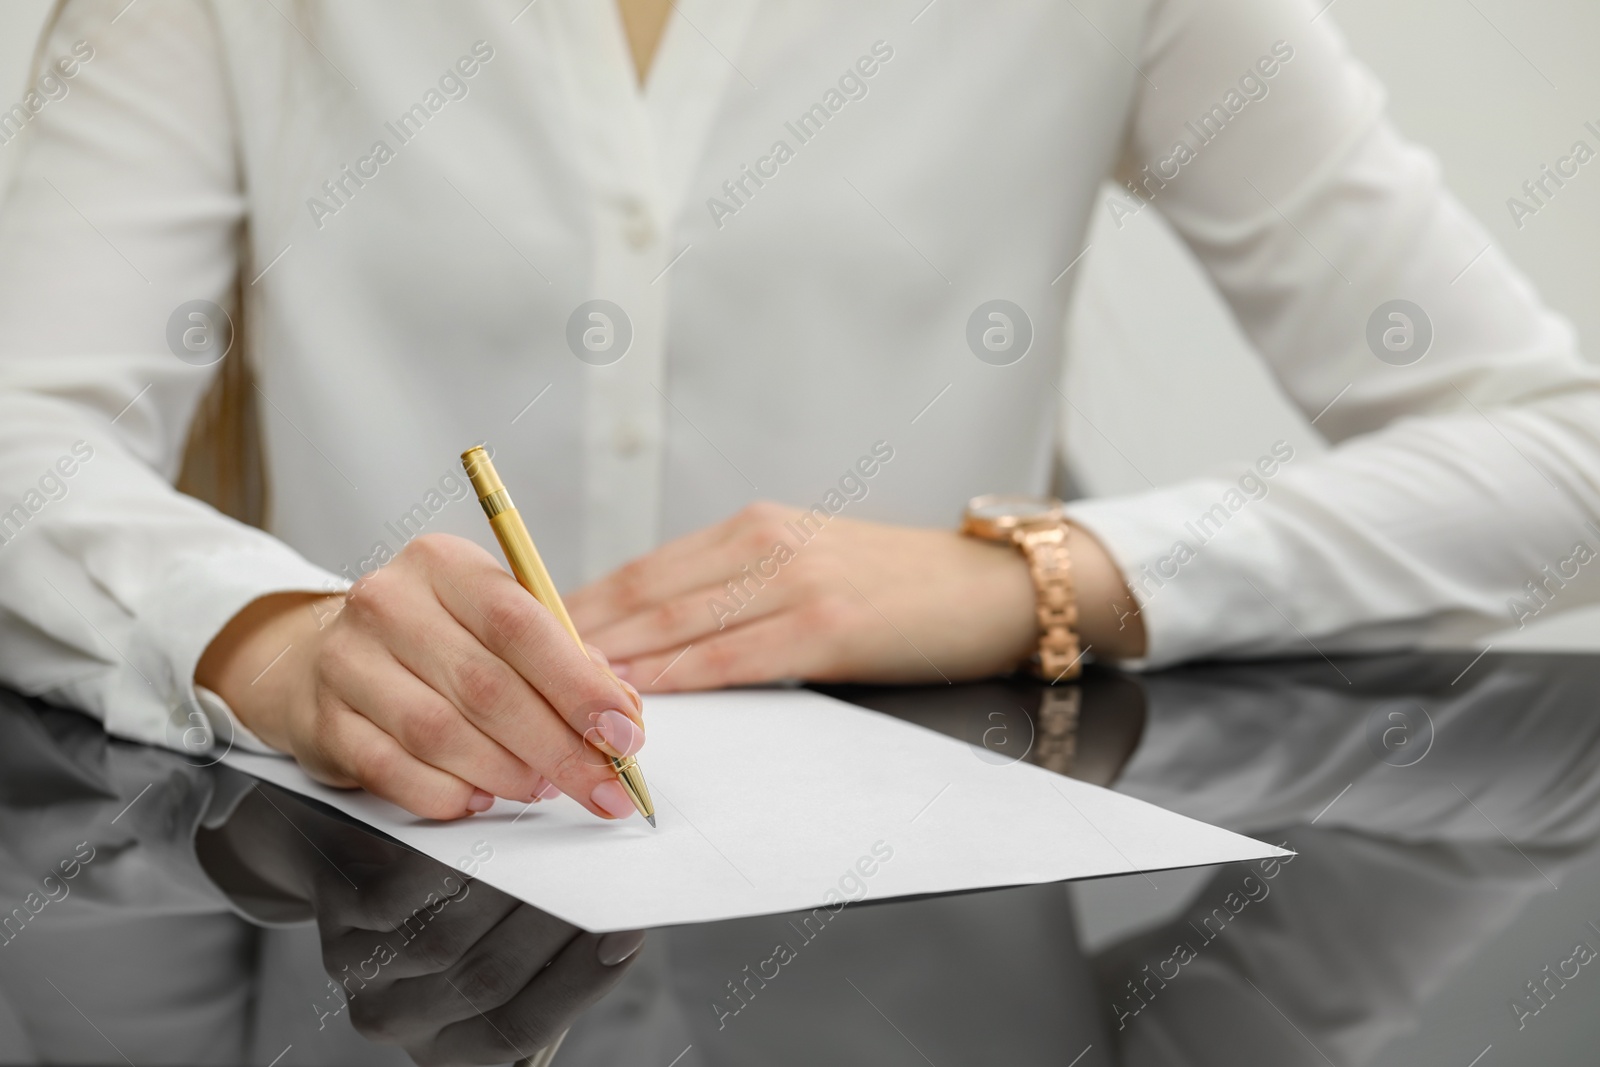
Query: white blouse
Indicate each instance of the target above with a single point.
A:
(795, 236)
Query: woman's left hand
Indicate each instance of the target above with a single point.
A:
(761, 597)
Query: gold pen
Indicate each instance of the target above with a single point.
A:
(529, 571)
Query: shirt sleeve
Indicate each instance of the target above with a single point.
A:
(1465, 476)
(125, 204)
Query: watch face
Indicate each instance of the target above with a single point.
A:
(1016, 507)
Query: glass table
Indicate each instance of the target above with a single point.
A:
(1442, 907)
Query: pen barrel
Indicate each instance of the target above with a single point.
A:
(528, 567)
(513, 536)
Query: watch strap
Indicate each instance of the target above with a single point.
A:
(1050, 566)
(1055, 739)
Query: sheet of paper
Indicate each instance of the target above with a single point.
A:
(772, 801)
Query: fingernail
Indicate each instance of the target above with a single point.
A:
(545, 790)
(617, 947)
(480, 801)
(611, 798)
(622, 671)
(621, 732)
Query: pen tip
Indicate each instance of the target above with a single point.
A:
(652, 820)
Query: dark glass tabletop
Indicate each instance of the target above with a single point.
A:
(1442, 905)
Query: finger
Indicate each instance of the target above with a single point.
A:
(438, 629)
(682, 621)
(621, 676)
(501, 703)
(357, 750)
(425, 633)
(651, 578)
(732, 549)
(465, 582)
(559, 760)
(518, 630)
(533, 1018)
(432, 728)
(779, 646)
(605, 661)
(483, 975)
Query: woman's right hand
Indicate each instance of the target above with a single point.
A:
(437, 683)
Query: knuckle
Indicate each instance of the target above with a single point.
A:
(511, 619)
(773, 526)
(484, 685)
(489, 980)
(761, 513)
(374, 602)
(335, 659)
(427, 952)
(718, 662)
(381, 769)
(825, 613)
(815, 581)
(361, 609)
(758, 538)
(428, 729)
(430, 550)
(574, 764)
(373, 1022)
(325, 736)
(374, 766)
(632, 588)
(441, 805)
(676, 615)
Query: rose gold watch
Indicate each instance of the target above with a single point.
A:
(1038, 527)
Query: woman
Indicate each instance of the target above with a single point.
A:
(811, 254)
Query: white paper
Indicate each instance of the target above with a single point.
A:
(773, 801)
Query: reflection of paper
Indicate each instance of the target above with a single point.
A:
(771, 801)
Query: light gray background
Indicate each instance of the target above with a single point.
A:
(1495, 87)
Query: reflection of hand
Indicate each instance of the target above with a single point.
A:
(856, 601)
(438, 683)
(448, 968)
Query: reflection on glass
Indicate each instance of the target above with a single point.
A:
(195, 917)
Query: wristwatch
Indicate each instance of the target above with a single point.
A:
(1038, 527)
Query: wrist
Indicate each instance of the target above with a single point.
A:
(254, 660)
(1080, 602)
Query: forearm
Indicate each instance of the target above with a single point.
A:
(112, 584)
(1430, 530)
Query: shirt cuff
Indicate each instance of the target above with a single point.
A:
(230, 789)
(1202, 565)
